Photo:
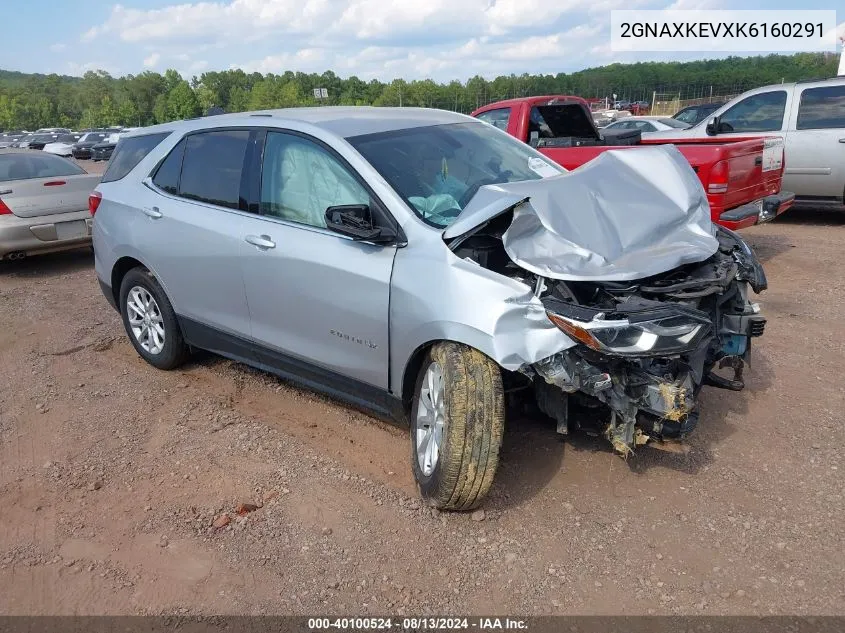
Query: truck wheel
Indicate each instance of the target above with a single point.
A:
(457, 423)
(150, 321)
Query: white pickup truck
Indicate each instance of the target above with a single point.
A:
(809, 115)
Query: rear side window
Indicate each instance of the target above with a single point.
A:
(822, 108)
(212, 166)
(167, 175)
(498, 117)
(129, 152)
(27, 166)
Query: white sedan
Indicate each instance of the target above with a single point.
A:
(647, 124)
(63, 145)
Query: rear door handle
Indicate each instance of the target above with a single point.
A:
(154, 213)
(842, 140)
(6, 191)
(261, 241)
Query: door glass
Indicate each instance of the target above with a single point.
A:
(167, 175)
(498, 117)
(211, 168)
(758, 113)
(300, 180)
(822, 108)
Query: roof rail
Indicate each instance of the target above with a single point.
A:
(811, 81)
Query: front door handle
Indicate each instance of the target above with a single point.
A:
(261, 241)
(5, 191)
(842, 140)
(154, 213)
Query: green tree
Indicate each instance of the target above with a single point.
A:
(182, 103)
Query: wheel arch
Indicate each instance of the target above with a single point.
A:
(458, 333)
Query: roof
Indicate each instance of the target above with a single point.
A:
(344, 121)
(543, 99)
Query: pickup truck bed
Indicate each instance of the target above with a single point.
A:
(741, 176)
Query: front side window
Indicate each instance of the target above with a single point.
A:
(437, 169)
(498, 117)
(758, 113)
(822, 108)
(26, 166)
(212, 166)
(300, 180)
(129, 152)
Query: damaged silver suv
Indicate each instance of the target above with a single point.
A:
(422, 265)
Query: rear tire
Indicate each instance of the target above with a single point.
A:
(457, 424)
(150, 321)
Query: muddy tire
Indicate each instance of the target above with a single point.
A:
(150, 321)
(457, 423)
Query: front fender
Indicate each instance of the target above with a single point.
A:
(436, 296)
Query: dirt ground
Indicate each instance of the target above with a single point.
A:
(111, 474)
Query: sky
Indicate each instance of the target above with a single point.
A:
(382, 39)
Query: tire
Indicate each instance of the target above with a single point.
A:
(168, 353)
(471, 422)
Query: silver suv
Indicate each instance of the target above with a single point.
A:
(426, 266)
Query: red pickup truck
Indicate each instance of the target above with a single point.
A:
(741, 176)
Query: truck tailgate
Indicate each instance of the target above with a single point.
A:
(734, 171)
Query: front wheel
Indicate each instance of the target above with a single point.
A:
(457, 423)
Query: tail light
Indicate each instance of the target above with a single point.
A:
(94, 199)
(4, 210)
(719, 178)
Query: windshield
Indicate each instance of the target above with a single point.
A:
(676, 123)
(438, 169)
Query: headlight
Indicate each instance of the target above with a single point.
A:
(667, 335)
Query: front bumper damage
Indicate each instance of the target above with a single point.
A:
(653, 397)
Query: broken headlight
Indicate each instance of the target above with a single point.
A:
(662, 336)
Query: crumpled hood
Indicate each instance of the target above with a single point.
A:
(628, 214)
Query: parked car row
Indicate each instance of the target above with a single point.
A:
(95, 144)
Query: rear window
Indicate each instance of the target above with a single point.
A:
(26, 166)
(561, 120)
(822, 108)
(129, 152)
(212, 166)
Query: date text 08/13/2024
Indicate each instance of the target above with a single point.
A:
(416, 624)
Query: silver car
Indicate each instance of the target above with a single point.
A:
(43, 203)
(426, 266)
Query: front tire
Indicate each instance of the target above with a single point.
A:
(150, 321)
(457, 424)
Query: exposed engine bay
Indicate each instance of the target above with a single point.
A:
(646, 346)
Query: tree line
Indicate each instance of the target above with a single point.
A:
(30, 101)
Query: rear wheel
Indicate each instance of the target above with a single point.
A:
(150, 321)
(457, 423)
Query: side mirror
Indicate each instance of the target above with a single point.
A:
(353, 220)
(713, 125)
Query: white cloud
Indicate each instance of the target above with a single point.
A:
(384, 39)
(58, 47)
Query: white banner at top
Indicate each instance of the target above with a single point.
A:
(719, 30)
